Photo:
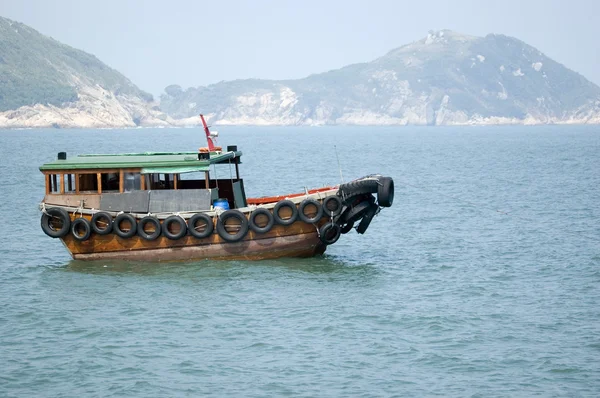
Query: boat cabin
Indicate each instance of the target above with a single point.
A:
(152, 182)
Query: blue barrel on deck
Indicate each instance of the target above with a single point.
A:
(221, 203)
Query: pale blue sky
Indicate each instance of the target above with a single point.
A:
(191, 43)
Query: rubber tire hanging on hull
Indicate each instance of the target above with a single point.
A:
(367, 218)
(337, 204)
(81, 223)
(252, 222)
(222, 231)
(117, 226)
(367, 184)
(210, 226)
(385, 192)
(149, 236)
(293, 208)
(304, 217)
(104, 217)
(356, 213)
(174, 235)
(329, 233)
(56, 212)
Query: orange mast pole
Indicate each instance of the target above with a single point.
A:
(211, 146)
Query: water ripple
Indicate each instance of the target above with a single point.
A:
(444, 296)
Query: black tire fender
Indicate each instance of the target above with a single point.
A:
(117, 226)
(367, 184)
(149, 220)
(46, 222)
(332, 206)
(355, 213)
(252, 221)
(208, 230)
(102, 217)
(172, 235)
(385, 192)
(285, 203)
(222, 231)
(367, 218)
(356, 199)
(329, 233)
(304, 217)
(81, 229)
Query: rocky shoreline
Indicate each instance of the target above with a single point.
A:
(40, 116)
(95, 108)
(99, 108)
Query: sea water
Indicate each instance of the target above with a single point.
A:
(483, 279)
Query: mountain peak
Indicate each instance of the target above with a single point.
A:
(435, 42)
(444, 78)
(445, 36)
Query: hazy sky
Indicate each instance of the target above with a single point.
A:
(191, 43)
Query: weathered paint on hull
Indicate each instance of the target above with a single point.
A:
(304, 245)
(296, 240)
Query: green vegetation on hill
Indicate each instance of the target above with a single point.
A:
(36, 69)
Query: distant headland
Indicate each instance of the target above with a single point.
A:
(446, 78)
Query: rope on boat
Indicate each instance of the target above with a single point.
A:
(161, 215)
(79, 209)
(218, 211)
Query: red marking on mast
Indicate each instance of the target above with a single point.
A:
(211, 146)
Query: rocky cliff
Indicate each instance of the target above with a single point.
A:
(44, 83)
(444, 79)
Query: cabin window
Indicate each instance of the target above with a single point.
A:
(131, 182)
(110, 182)
(88, 183)
(61, 183)
(69, 180)
(227, 171)
(107, 182)
(53, 183)
(162, 181)
(193, 180)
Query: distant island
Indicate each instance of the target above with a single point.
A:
(444, 79)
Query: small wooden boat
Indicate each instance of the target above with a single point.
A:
(170, 206)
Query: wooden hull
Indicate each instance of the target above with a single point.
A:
(305, 245)
(300, 239)
(297, 240)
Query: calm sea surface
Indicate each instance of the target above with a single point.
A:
(482, 280)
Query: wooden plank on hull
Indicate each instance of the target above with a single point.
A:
(304, 245)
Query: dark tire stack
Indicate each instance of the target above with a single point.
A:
(360, 205)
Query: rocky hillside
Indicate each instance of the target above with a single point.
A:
(444, 79)
(44, 83)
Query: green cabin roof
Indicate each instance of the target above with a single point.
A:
(149, 162)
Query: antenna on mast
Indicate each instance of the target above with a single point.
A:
(339, 165)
